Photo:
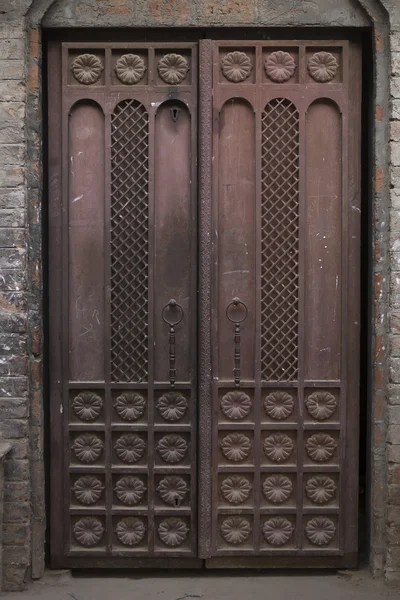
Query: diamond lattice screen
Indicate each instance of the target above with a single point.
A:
(129, 242)
(280, 240)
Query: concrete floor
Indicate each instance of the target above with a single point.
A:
(216, 585)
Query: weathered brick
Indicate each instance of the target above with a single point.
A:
(20, 448)
(16, 512)
(14, 301)
(12, 69)
(12, 281)
(13, 428)
(12, 154)
(12, 30)
(395, 87)
(14, 578)
(13, 408)
(13, 387)
(12, 258)
(395, 153)
(12, 176)
(12, 48)
(12, 322)
(16, 470)
(17, 491)
(393, 453)
(12, 91)
(16, 534)
(395, 370)
(16, 555)
(12, 217)
(394, 414)
(12, 237)
(11, 198)
(12, 111)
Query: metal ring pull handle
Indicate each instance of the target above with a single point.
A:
(236, 304)
(172, 306)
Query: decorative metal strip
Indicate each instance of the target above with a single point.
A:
(237, 319)
(279, 241)
(172, 307)
(129, 242)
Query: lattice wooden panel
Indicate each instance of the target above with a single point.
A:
(280, 240)
(129, 242)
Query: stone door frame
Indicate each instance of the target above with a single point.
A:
(379, 276)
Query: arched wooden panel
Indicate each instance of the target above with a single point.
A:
(323, 235)
(86, 242)
(236, 224)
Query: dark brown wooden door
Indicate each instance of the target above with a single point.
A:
(280, 440)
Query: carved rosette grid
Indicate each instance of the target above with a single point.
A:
(130, 69)
(236, 66)
(173, 68)
(129, 241)
(87, 406)
(279, 241)
(280, 66)
(87, 68)
(322, 66)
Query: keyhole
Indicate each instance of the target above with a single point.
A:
(177, 502)
(175, 113)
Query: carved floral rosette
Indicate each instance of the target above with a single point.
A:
(130, 490)
(130, 448)
(277, 488)
(173, 531)
(130, 531)
(320, 531)
(87, 68)
(235, 489)
(280, 66)
(88, 489)
(278, 447)
(87, 447)
(172, 448)
(172, 406)
(88, 531)
(235, 530)
(235, 447)
(279, 405)
(87, 406)
(320, 489)
(321, 405)
(173, 68)
(277, 531)
(130, 406)
(130, 69)
(322, 66)
(320, 447)
(236, 66)
(236, 405)
(172, 490)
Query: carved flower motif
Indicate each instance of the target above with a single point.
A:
(130, 531)
(173, 532)
(235, 530)
(88, 531)
(320, 531)
(87, 447)
(236, 447)
(279, 405)
(280, 66)
(87, 68)
(130, 448)
(130, 68)
(278, 447)
(320, 489)
(172, 406)
(130, 406)
(88, 489)
(87, 406)
(236, 66)
(172, 490)
(321, 405)
(236, 489)
(236, 405)
(277, 488)
(322, 66)
(277, 531)
(172, 448)
(173, 68)
(130, 490)
(320, 447)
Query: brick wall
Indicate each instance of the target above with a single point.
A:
(21, 412)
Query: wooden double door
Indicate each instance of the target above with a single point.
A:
(204, 213)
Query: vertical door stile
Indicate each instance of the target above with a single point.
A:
(205, 287)
(257, 340)
(108, 109)
(151, 316)
(300, 383)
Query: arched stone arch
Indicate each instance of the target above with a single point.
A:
(380, 14)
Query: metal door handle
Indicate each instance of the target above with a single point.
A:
(172, 306)
(232, 306)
